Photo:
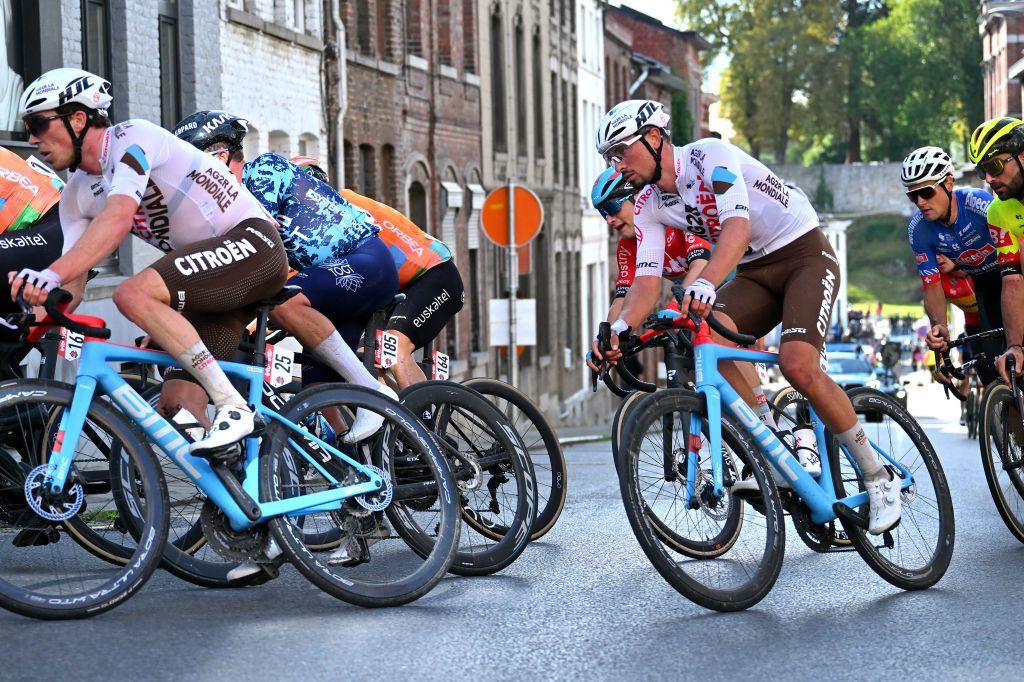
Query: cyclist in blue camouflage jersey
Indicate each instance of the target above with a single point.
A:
(344, 269)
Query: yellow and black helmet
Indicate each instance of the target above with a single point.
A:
(999, 135)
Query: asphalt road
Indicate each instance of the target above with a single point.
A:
(583, 603)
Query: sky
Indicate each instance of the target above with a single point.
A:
(665, 12)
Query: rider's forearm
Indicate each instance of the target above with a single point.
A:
(695, 272)
(104, 234)
(640, 300)
(935, 304)
(732, 244)
(1013, 308)
(616, 308)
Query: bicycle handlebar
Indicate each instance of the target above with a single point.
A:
(54, 305)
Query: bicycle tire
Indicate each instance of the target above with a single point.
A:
(187, 556)
(621, 421)
(971, 413)
(494, 534)
(741, 585)
(434, 531)
(542, 444)
(897, 432)
(1001, 441)
(32, 548)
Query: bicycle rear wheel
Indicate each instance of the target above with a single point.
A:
(652, 479)
(542, 444)
(495, 476)
(394, 564)
(916, 553)
(43, 572)
(1002, 455)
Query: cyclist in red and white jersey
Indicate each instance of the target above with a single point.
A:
(222, 251)
(787, 271)
(685, 253)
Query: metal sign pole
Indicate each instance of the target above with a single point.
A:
(513, 286)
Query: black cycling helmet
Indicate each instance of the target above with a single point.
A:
(206, 128)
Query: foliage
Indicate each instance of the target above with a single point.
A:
(828, 80)
(879, 262)
(682, 118)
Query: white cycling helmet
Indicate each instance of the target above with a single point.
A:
(58, 87)
(927, 164)
(626, 119)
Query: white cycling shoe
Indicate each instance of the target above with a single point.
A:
(271, 552)
(231, 424)
(366, 422)
(884, 504)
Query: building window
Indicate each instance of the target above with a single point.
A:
(538, 99)
(15, 30)
(96, 39)
(383, 29)
(468, 37)
(521, 145)
(351, 177)
(367, 181)
(418, 204)
(556, 154)
(544, 297)
(414, 27)
(476, 295)
(170, 64)
(364, 34)
(387, 174)
(299, 16)
(444, 32)
(500, 134)
(279, 144)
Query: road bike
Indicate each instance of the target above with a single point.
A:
(684, 447)
(264, 492)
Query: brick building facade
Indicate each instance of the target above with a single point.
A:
(412, 134)
(1002, 40)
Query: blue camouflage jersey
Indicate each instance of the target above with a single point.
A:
(316, 223)
(967, 242)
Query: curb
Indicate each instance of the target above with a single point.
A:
(576, 440)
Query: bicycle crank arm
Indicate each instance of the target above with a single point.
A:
(848, 515)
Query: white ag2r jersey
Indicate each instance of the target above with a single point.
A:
(716, 181)
(184, 194)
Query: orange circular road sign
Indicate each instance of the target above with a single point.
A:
(528, 219)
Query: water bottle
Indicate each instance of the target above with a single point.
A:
(806, 447)
(319, 427)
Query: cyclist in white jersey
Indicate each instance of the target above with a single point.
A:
(787, 271)
(223, 253)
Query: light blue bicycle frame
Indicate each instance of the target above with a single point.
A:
(94, 370)
(819, 495)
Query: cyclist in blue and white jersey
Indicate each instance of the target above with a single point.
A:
(952, 223)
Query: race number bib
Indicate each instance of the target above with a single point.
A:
(386, 353)
(441, 367)
(70, 347)
(278, 368)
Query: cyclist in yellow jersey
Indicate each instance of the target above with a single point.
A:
(427, 275)
(996, 148)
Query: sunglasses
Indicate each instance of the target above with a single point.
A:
(37, 124)
(611, 208)
(992, 167)
(925, 193)
(615, 154)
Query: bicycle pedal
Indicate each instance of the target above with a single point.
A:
(36, 537)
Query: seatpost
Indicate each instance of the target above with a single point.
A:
(260, 338)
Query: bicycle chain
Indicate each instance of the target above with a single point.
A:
(226, 541)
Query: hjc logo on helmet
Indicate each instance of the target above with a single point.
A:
(74, 87)
(644, 113)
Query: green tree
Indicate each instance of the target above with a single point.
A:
(682, 118)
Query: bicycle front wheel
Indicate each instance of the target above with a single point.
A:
(653, 471)
(377, 563)
(541, 443)
(44, 573)
(916, 553)
(1002, 455)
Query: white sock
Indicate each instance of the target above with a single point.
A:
(764, 410)
(335, 353)
(199, 362)
(857, 444)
